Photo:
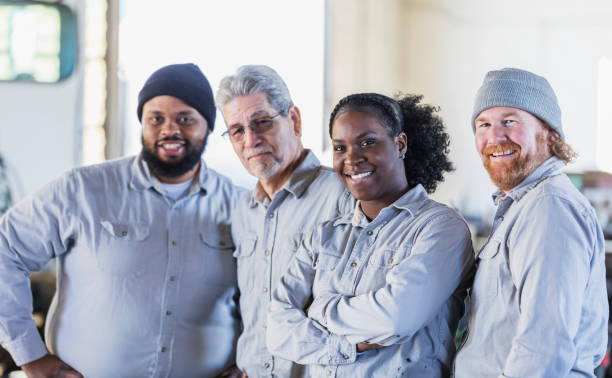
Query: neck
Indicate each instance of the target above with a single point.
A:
(182, 178)
(273, 184)
(372, 208)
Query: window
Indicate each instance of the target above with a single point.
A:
(37, 41)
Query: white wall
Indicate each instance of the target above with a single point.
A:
(443, 48)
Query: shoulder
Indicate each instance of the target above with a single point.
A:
(108, 172)
(325, 176)
(435, 212)
(557, 193)
(223, 183)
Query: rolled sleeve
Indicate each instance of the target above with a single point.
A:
(31, 233)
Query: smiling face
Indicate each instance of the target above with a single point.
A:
(511, 143)
(368, 160)
(266, 154)
(173, 138)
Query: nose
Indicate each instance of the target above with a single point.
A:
(353, 157)
(251, 139)
(497, 133)
(169, 128)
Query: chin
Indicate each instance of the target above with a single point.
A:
(264, 171)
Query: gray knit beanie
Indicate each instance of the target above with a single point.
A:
(519, 89)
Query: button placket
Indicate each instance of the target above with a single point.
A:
(169, 294)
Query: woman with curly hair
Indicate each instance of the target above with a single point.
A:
(379, 292)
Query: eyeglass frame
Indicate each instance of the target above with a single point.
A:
(253, 126)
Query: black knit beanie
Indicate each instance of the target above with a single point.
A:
(185, 82)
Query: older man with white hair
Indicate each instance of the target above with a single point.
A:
(293, 193)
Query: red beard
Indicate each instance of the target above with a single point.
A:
(506, 175)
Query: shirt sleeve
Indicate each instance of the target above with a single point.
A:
(415, 290)
(551, 251)
(290, 333)
(31, 233)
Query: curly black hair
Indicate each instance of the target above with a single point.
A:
(427, 142)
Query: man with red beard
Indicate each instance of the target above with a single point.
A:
(539, 301)
(146, 280)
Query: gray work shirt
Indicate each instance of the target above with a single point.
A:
(145, 285)
(540, 306)
(398, 281)
(267, 234)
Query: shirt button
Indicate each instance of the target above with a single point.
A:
(271, 215)
(267, 252)
(267, 365)
(369, 232)
(163, 349)
(172, 278)
(390, 261)
(124, 233)
(346, 356)
(174, 242)
(265, 290)
(354, 264)
(168, 312)
(329, 372)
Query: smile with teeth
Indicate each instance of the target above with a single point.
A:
(171, 146)
(503, 153)
(358, 176)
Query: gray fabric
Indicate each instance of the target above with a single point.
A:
(539, 300)
(519, 89)
(396, 281)
(146, 285)
(267, 233)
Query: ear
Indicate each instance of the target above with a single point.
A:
(294, 115)
(401, 143)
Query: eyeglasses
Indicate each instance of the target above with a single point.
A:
(258, 126)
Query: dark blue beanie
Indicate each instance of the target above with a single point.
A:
(185, 82)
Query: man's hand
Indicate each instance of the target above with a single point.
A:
(49, 367)
(232, 372)
(362, 347)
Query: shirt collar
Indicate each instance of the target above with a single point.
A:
(551, 167)
(142, 179)
(299, 180)
(411, 201)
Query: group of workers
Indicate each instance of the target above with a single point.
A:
(166, 269)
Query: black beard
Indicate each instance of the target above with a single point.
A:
(161, 168)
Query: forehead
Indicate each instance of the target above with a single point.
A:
(166, 104)
(353, 123)
(244, 107)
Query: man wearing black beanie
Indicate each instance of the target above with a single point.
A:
(146, 279)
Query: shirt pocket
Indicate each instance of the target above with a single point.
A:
(325, 261)
(218, 265)
(121, 250)
(244, 254)
(387, 259)
(486, 281)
